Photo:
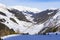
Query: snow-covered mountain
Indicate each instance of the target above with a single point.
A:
(30, 20)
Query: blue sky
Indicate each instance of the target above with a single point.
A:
(40, 4)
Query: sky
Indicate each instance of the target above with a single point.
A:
(40, 4)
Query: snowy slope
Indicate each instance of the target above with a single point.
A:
(29, 20)
(9, 36)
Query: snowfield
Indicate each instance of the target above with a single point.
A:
(29, 20)
(4, 37)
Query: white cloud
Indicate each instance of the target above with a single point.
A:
(39, 5)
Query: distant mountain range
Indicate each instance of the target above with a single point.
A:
(26, 20)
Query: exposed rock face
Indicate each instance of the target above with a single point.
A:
(2, 20)
(18, 14)
(4, 30)
(44, 16)
(2, 13)
(48, 30)
(13, 20)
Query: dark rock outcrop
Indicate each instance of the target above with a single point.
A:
(43, 16)
(2, 13)
(19, 15)
(4, 30)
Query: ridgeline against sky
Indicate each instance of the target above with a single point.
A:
(40, 4)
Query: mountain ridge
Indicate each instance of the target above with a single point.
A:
(29, 21)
